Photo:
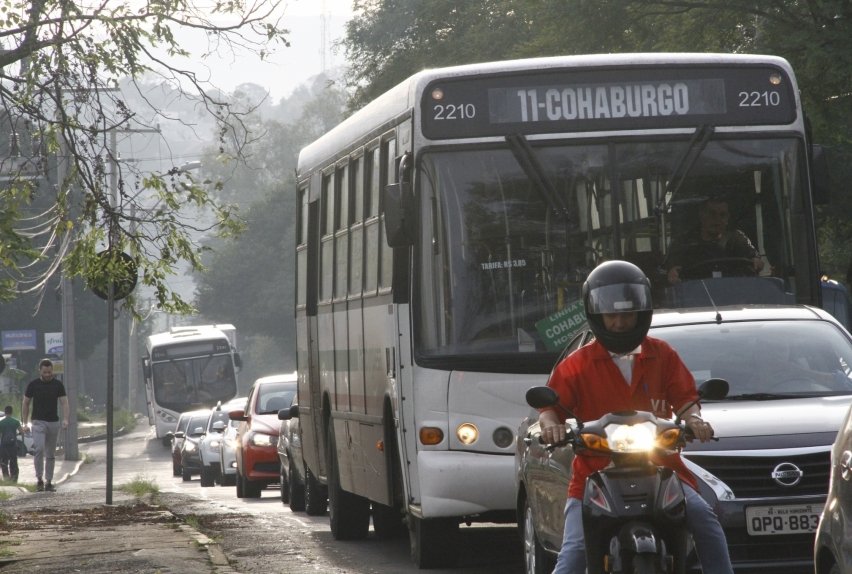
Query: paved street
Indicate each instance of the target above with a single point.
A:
(263, 535)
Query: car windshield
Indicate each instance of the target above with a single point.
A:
(275, 396)
(217, 416)
(196, 422)
(766, 359)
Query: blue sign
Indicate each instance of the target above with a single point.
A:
(21, 340)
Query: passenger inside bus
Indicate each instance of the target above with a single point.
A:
(712, 249)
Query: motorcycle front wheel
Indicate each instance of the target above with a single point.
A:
(647, 564)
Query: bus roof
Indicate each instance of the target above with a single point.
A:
(190, 333)
(382, 112)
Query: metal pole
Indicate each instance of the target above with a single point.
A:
(111, 323)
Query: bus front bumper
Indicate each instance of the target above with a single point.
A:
(465, 483)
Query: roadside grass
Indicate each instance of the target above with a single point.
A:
(140, 486)
(4, 495)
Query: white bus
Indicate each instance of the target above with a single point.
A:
(188, 368)
(445, 230)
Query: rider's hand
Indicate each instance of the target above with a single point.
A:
(552, 429)
(702, 430)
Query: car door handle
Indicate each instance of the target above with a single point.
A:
(846, 465)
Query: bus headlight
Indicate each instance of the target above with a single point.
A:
(467, 433)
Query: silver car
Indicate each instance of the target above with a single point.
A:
(790, 375)
(227, 446)
(833, 549)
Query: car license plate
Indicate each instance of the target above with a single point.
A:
(782, 519)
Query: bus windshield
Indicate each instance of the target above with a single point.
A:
(510, 232)
(185, 383)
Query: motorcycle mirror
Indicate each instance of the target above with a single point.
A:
(713, 389)
(541, 397)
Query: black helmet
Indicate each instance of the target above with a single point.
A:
(618, 287)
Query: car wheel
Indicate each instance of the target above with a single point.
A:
(251, 488)
(283, 486)
(239, 483)
(315, 497)
(348, 514)
(835, 569)
(297, 489)
(229, 479)
(207, 476)
(434, 542)
(536, 559)
(186, 474)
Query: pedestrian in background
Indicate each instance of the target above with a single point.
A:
(10, 428)
(44, 392)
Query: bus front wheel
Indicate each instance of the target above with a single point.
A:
(434, 541)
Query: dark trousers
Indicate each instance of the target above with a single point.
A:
(9, 461)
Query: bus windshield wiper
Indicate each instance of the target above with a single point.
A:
(684, 164)
(527, 159)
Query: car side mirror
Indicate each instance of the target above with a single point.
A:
(218, 426)
(292, 412)
(179, 434)
(238, 415)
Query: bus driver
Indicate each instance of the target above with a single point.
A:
(713, 246)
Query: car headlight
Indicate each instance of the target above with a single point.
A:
(260, 439)
(189, 446)
(214, 443)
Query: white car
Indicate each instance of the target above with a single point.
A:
(227, 446)
(208, 446)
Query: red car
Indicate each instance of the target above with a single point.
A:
(257, 435)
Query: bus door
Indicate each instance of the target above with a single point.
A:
(310, 392)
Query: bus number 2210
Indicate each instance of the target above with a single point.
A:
(454, 112)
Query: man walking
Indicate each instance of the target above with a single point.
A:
(10, 428)
(44, 392)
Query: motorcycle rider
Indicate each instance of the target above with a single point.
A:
(624, 369)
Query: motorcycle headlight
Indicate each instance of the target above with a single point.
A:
(260, 439)
(632, 438)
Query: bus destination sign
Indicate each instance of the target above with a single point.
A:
(573, 101)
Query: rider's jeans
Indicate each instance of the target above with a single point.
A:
(701, 521)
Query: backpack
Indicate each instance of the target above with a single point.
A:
(10, 435)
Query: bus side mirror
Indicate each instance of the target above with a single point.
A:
(238, 361)
(820, 176)
(398, 204)
(146, 369)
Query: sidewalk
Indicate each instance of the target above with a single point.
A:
(74, 531)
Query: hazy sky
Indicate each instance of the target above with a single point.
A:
(288, 67)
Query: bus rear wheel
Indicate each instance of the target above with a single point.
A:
(348, 514)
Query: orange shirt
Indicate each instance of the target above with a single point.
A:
(591, 385)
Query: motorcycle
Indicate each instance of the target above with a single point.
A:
(634, 511)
